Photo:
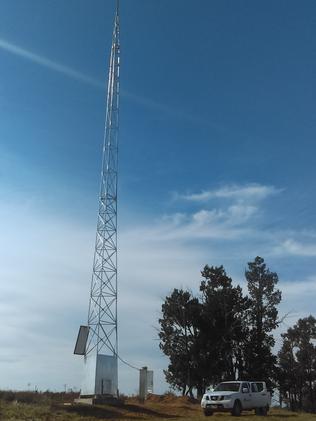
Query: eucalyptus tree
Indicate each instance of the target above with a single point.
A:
(178, 336)
(204, 336)
(224, 318)
(263, 319)
(297, 365)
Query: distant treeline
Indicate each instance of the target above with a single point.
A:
(223, 334)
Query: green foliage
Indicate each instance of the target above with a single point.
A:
(203, 337)
(263, 319)
(297, 365)
(222, 334)
(223, 329)
(178, 335)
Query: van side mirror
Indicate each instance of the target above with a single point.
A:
(245, 390)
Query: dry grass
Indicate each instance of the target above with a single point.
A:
(156, 408)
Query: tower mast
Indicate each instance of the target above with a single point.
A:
(102, 343)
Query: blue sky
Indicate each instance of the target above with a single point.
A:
(217, 164)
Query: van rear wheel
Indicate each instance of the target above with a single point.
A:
(263, 411)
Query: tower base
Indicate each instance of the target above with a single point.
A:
(99, 400)
(101, 377)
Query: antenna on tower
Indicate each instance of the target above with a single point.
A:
(98, 341)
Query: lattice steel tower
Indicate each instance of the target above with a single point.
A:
(101, 348)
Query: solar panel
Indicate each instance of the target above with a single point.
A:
(80, 348)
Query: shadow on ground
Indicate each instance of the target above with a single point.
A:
(274, 415)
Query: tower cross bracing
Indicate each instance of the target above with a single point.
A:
(102, 315)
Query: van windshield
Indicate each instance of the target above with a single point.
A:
(227, 387)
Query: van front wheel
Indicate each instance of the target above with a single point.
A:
(208, 412)
(236, 411)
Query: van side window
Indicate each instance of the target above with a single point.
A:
(245, 385)
(259, 386)
(254, 388)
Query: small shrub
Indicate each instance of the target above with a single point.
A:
(7, 395)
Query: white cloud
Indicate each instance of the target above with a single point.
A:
(296, 248)
(237, 214)
(303, 287)
(248, 192)
(298, 301)
(218, 223)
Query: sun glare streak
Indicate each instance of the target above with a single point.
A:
(74, 74)
(52, 65)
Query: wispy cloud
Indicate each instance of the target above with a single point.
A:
(296, 248)
(304, 287)
(222, 223)
(233, 219)
(234, 214)
(48, 63)
(238, 214)
(236, 192)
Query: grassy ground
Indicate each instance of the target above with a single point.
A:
(155, 409)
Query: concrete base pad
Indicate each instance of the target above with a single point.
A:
(99, 400)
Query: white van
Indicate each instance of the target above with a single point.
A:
(236, 396)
